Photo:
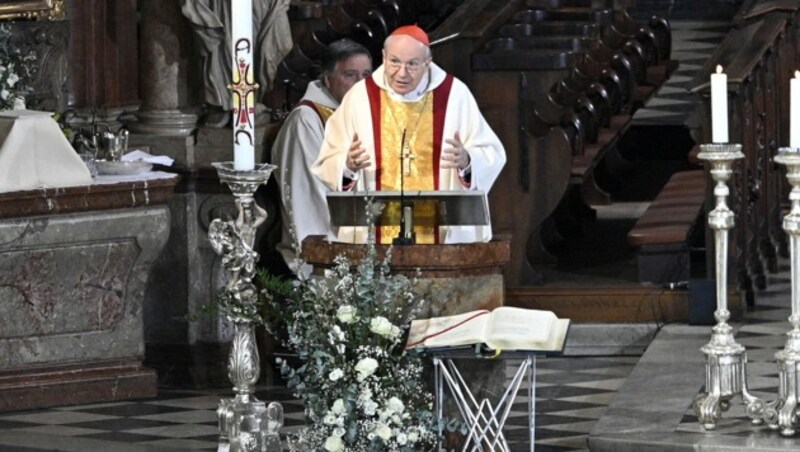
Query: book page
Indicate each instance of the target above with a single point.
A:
(461, 329)
(521, 329)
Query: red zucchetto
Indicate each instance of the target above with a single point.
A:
(413, 31)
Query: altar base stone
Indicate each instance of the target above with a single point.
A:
(72, 288)
(456, 278)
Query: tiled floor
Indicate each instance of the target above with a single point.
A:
(571, 394)
(763, 334)
(664, 419)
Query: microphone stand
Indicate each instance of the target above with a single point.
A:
(407, 235)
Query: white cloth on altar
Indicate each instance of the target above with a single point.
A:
(354, 116)
(295, 150)
(34, 153)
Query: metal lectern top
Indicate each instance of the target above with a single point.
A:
(453, 208)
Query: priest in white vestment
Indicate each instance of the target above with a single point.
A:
(410, 123)
(297, 145)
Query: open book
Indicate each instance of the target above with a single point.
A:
(505, 328)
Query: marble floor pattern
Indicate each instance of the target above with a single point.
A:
(665, 420)
(571, 394)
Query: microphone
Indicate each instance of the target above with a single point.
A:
(406, 236)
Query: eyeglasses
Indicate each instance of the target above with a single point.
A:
(412, 67)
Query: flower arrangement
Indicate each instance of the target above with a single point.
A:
(17, 70)
(361, 390)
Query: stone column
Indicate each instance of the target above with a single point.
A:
(169, 106)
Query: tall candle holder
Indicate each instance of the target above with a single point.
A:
(726, 360)
(784, 415)
(245, 423)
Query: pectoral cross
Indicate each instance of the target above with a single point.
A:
(409, 155)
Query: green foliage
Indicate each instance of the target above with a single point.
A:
(360, 389)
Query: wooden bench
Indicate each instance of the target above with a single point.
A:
(663, 233)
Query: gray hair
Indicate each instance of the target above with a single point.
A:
(341, 50)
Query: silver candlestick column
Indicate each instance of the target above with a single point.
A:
(726, 360)
(245, 423)
(785, 413)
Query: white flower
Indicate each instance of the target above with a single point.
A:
(370, 408)
(329, 419)
(366, 367)
(346, 314)
(402, 439)
(384, 431)
(365, 393)
(338, 406)
(12, 80)
(338, 333)
(335, 374)
(4, 94)
(334, 444)
(413, 436)
(339, 431)
(381, 326)
(396, 405)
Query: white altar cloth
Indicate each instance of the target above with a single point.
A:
(34, 153)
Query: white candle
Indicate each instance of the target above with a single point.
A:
(794, 111)
(719, 107)
(243, 89)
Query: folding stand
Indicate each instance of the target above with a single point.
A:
(485, 419)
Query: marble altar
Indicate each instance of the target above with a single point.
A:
(74, 269)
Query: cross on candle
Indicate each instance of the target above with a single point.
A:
(719, 106)
(243, 85)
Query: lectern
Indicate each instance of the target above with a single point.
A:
(453, 208)
(463, 276)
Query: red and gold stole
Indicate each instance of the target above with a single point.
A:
(424, 122)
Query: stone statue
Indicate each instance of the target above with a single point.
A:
(211, 21)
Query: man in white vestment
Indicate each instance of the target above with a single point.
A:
(413, 124)
(297, 145)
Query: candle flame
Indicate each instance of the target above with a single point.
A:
(719, 69)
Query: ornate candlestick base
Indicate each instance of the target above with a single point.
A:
(726, 360)
(784, 414)
(245, 423)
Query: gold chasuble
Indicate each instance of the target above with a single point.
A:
(410, 158)
(407, 160)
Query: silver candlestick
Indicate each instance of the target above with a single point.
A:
(784, 415)
(726, 360)
(245, 423)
